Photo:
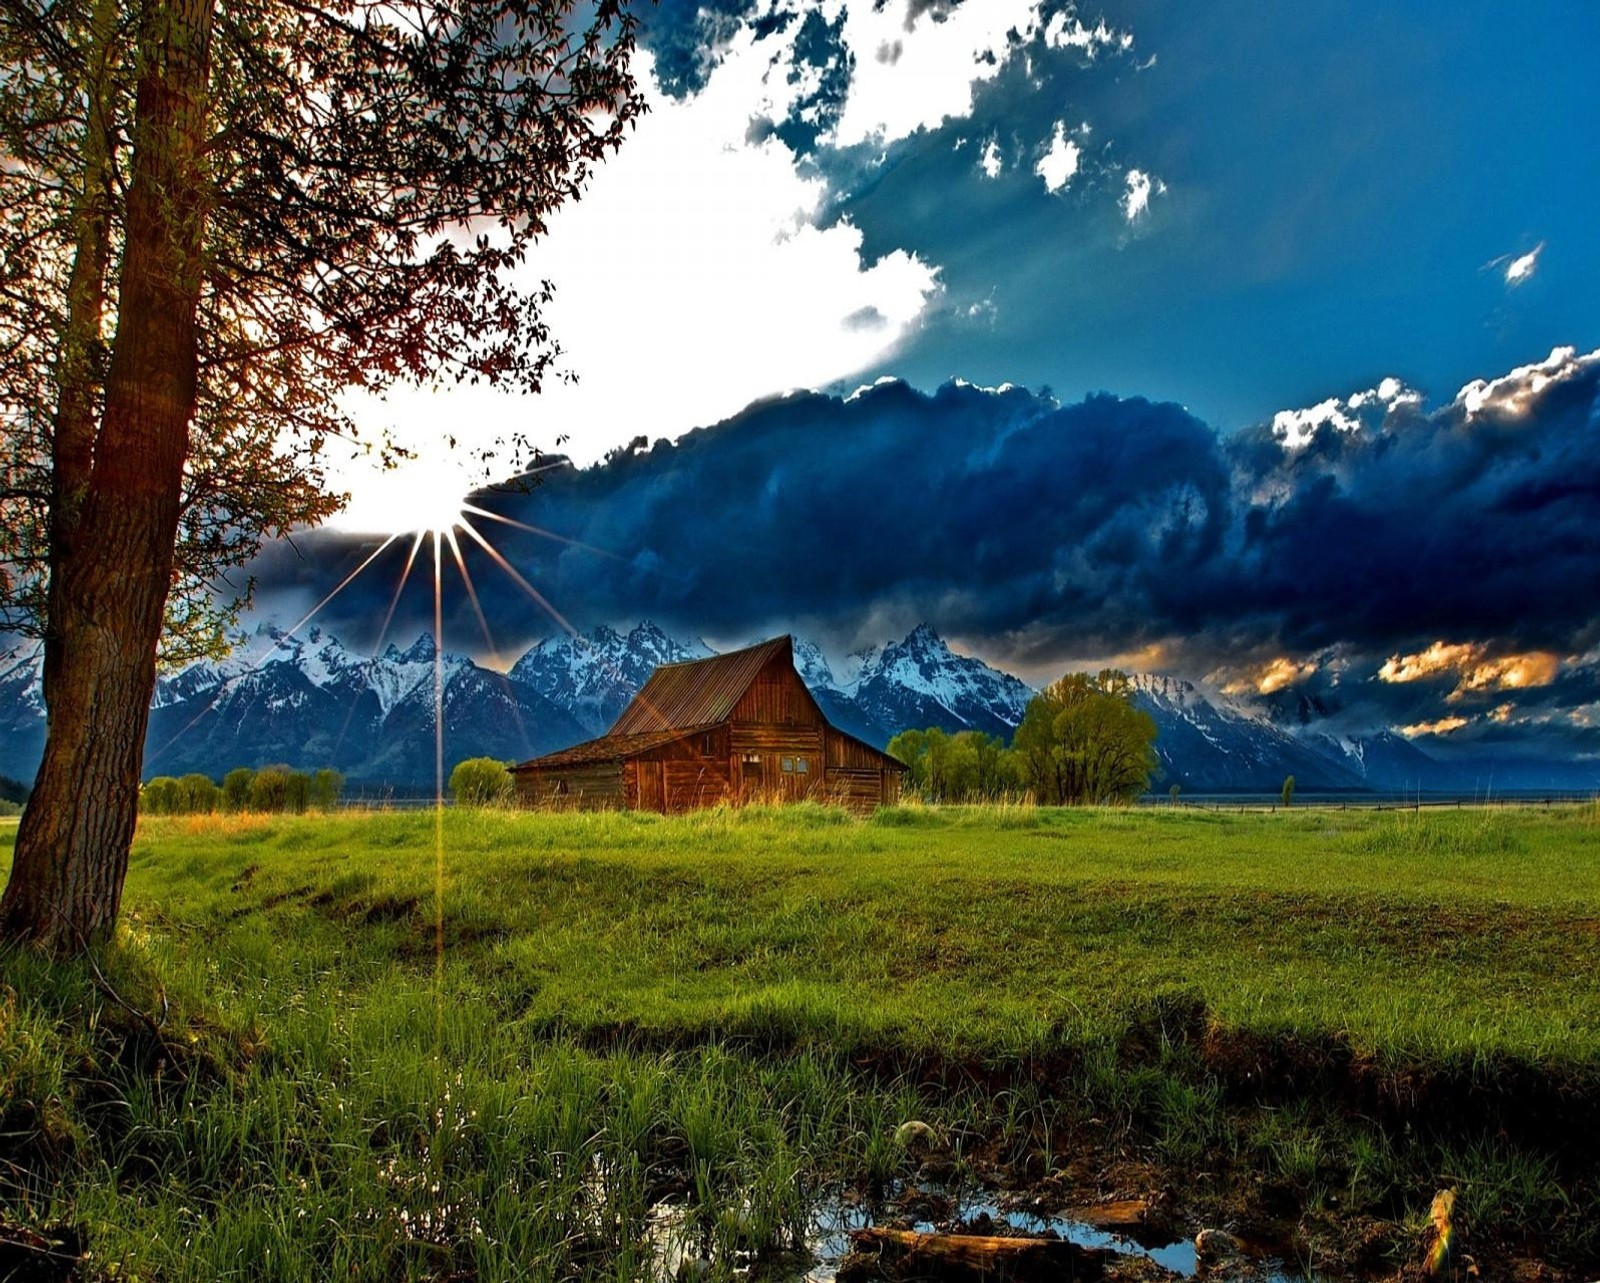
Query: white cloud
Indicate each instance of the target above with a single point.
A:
(691, 280)
(1068, 31)
(990, 161)
(1522, 267)
(1513, 395)
(1295, 428)
(1140, 187)
(696, 274)
(1060, 163)
(939, 64)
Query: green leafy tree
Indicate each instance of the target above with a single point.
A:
(198, 795)
(1082, 741)
(326, 786)
(480, 781)
(968, 766)
(269, 789)
(160, 796)
(1287, 795)
(236, 788)
(213, 220)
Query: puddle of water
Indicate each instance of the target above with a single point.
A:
(828, 1239)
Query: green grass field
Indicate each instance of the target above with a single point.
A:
(483, 1051)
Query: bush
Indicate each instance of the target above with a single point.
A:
(481, 781)
(236, 788)
(277, 789)
(197, 795)
(326, 785)
(160, 796)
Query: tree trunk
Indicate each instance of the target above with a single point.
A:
(110, 583)
(72, 443)
(878, 1253)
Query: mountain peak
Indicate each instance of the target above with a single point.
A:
(420, 651)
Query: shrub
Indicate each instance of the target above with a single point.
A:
(326, 785)
(277, 788)
(481, 781)
(197, 795)
(160, 796)
(236, 786)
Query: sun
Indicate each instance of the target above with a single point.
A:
(417, 496)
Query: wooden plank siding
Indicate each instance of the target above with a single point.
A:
(587, 788)
(770, 743)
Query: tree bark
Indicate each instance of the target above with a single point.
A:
(72, 440)
(109, 584)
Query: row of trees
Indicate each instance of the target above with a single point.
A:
(1081, 742)
(272, 788)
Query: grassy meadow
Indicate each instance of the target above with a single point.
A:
(385, 1046)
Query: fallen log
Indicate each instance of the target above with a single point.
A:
(906, 1254)
(1125, 1214)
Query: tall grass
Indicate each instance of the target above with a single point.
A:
(649, 1040)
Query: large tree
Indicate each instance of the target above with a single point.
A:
(1082, 741)
(215, 219)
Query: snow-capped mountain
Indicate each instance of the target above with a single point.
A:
(594, 675)
(1210, 746)
(920, 682)
(310, 701)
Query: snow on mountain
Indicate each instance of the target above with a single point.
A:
(813, 666)
(594, 675)
(920, 682)
(1205, 744)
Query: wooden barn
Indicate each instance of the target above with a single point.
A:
(733, 728)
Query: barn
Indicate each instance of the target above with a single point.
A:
(738, 727)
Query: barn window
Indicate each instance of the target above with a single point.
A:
(801, 765)
(788, 764)
(752, 759)
(706, 744)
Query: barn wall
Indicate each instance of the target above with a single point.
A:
(852, 754)
(862, 790)
(685, 774)
(596, 787)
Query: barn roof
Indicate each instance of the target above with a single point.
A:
(608, 748)
(701, 692)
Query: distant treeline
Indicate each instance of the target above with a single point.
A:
(272, 788)
(1081, 742)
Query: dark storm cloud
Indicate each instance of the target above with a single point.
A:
(1035, 531)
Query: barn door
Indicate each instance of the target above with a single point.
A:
(652, 787)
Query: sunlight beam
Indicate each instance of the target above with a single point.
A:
(545, 534)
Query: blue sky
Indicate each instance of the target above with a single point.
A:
(1337, 268)
(1337, 180)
